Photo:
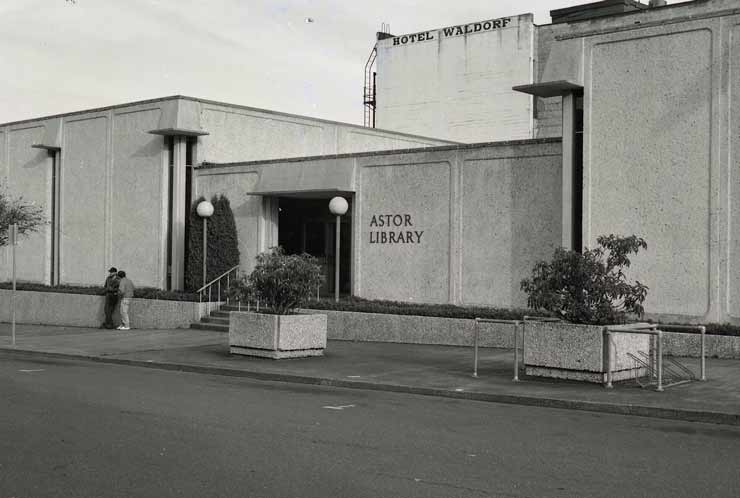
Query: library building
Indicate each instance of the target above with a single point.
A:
(484, 147)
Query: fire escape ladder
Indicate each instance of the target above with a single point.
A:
(368, 95)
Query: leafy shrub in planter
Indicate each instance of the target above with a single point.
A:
(281, 282)
(588, 287)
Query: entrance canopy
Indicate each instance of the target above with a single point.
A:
(307, 178)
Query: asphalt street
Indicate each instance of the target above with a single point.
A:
(85, 429)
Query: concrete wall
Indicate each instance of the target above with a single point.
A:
(79, 310)
(114, 178)
(246, 134)
(661, 167)
(111, 195)
(660, 142)
(26, 172)
(457, 85)
(467, 222)
(487, 214)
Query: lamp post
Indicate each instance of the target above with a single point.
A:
(13, 242)
(205, 210)
(337, 206)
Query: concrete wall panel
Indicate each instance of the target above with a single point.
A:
(30, 178)
(254, 135)
(351, 140)
(245, 136)
(648, 160)
(733, 184)
(84, 221)
(510, 219)
(136, 196)
(416, 194)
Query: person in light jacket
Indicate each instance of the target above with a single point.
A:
(126, 292)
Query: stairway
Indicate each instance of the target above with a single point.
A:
(218, 320)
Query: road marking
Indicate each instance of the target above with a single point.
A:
(35, 370)
(459, 390)
(340, 407)
(354, 376)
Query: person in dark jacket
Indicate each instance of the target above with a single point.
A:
(111, 297)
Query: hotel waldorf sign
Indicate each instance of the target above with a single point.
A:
(394, 229)
(460, 30)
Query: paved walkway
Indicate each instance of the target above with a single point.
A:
(419, 369)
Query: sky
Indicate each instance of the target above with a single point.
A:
(60, 56)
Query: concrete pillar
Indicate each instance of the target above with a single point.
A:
(179, 208)
(569, 123)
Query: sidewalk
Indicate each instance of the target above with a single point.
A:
(417, 369)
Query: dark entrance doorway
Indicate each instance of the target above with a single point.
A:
(306, 225)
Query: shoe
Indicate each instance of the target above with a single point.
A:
(120, 327)
(124, 328)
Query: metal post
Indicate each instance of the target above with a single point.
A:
(13, 240)
(516, 352)
(228, 286)
(703, 361)
(475, 346)
(219, 293)
(653, 357)
(336, 265)
(609, 384)
(205, 247)
(660, 360)
(209, 301)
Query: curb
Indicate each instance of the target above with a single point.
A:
(589, 406)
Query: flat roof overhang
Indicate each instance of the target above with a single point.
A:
(549, 88)
(172, 132)
(317, 178)
(305, 194)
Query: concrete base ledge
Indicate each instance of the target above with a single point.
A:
(84, 310)
(637, 410)
(276, 354)
(413, 329)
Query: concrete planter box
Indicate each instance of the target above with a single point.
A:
(277, 336)
(84, 310)
(578, 352)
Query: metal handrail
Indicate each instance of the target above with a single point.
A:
(516, 324)
(653, 330)
(217, 278)
(210, 285)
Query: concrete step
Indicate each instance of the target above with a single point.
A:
(233, 307)
(223, 320)
(209, 326)
(220, 314)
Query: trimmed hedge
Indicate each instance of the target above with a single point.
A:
(141, 292)
(439, 310)
(712, 328)
(223, 245)
(470, 312)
